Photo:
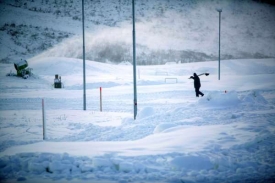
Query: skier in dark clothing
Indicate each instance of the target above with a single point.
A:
(197, 84)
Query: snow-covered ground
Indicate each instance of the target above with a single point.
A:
(166, 30)
(225, 136)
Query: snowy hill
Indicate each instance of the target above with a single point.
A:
(184, 31)
(225, 136)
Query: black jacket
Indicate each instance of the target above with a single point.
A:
(197, 82)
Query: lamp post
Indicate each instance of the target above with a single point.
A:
(219, 10)
(134, 61)
(84, 74)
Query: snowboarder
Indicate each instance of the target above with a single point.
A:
(197, 84)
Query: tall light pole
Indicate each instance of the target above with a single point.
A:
(84, 74)
(219, 10)
(134, 61)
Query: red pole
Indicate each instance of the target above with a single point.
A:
(100, 99)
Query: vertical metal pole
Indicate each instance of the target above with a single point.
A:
(134, 60)
(43, 120)
(100, 90)
(84, 74)
(220, 44)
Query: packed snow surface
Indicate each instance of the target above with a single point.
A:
(225, 136)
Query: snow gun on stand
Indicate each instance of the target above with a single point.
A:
(201, 74)
(22, 70)
(57, 81)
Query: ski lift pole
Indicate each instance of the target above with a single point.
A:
(134, 60)
(43, 120)
(84, 74)
(219, 10)
(100, 98)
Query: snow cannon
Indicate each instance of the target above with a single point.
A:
(57, 81)
(22, 70)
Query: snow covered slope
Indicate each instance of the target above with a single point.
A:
(175, 30)
(221, 137)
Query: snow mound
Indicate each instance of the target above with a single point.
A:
(127, 120)
(126, 167)
(101, 162)
(146, 112)
(21, 179)
(191, 162)
(253, 97)
(162, 127)
(124, 63)
(220, 99)
(170, 63)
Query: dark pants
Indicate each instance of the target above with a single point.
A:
(198, 92)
